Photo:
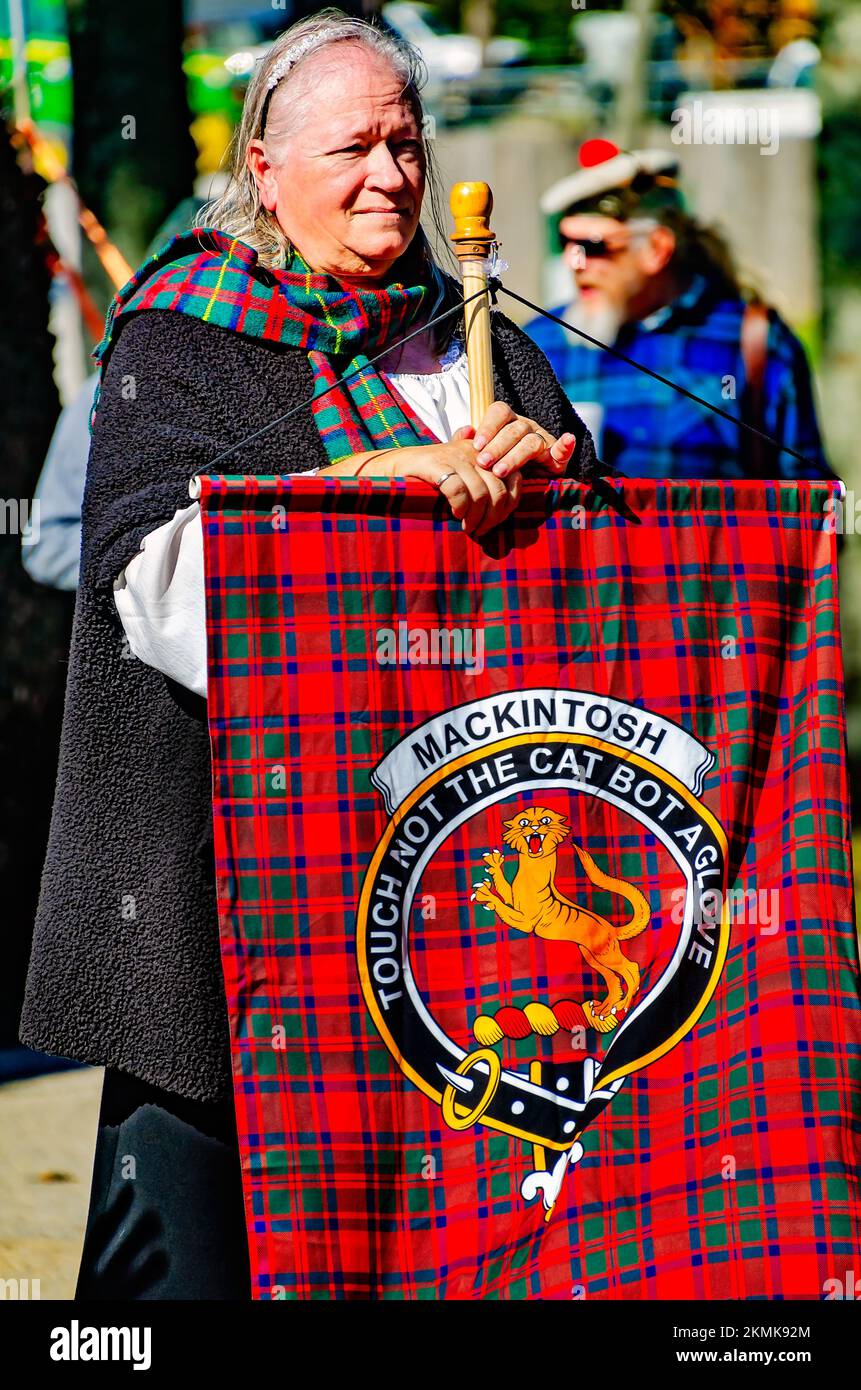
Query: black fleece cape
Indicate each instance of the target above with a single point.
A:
(125, 969)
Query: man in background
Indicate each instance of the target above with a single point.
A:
(654, 284)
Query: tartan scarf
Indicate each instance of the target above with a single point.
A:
(212, 276)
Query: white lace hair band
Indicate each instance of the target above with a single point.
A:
(289, 59)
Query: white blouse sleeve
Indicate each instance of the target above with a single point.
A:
(160, 597)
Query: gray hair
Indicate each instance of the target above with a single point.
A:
(239, 211)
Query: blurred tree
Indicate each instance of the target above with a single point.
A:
(727, 30)
(133, 155)
(839, 149)
(35, 622)
(743, 29)
(544, 24)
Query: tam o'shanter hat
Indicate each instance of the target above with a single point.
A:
(616, 183)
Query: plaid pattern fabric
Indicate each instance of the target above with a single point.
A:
(216, 278)
(433, 1100)
(650, 431)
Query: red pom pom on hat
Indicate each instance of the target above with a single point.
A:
(596, 151)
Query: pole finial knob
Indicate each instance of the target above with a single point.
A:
(471, 205)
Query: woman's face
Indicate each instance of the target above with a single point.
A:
(347, 189)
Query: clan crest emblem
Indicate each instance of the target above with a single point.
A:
(495, 808)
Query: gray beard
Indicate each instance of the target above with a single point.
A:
(601, 321)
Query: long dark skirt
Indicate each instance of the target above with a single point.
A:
(166, 1217)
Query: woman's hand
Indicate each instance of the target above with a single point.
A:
(485, 483)
(505, 442)
(479, 499)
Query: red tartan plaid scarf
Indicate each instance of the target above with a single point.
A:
(217, 278)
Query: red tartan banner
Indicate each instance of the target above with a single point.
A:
(534, 883)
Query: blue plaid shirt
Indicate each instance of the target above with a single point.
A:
(650, 431)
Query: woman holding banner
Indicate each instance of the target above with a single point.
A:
(312, 263)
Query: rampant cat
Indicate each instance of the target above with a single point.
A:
(533, 903)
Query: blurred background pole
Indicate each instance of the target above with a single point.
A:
(479, 19)
(18, 38)
(633, 96)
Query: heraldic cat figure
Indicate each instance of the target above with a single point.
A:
(532, 902)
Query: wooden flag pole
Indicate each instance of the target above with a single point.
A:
(471, 206)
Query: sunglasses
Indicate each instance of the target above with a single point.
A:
(591, 247)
